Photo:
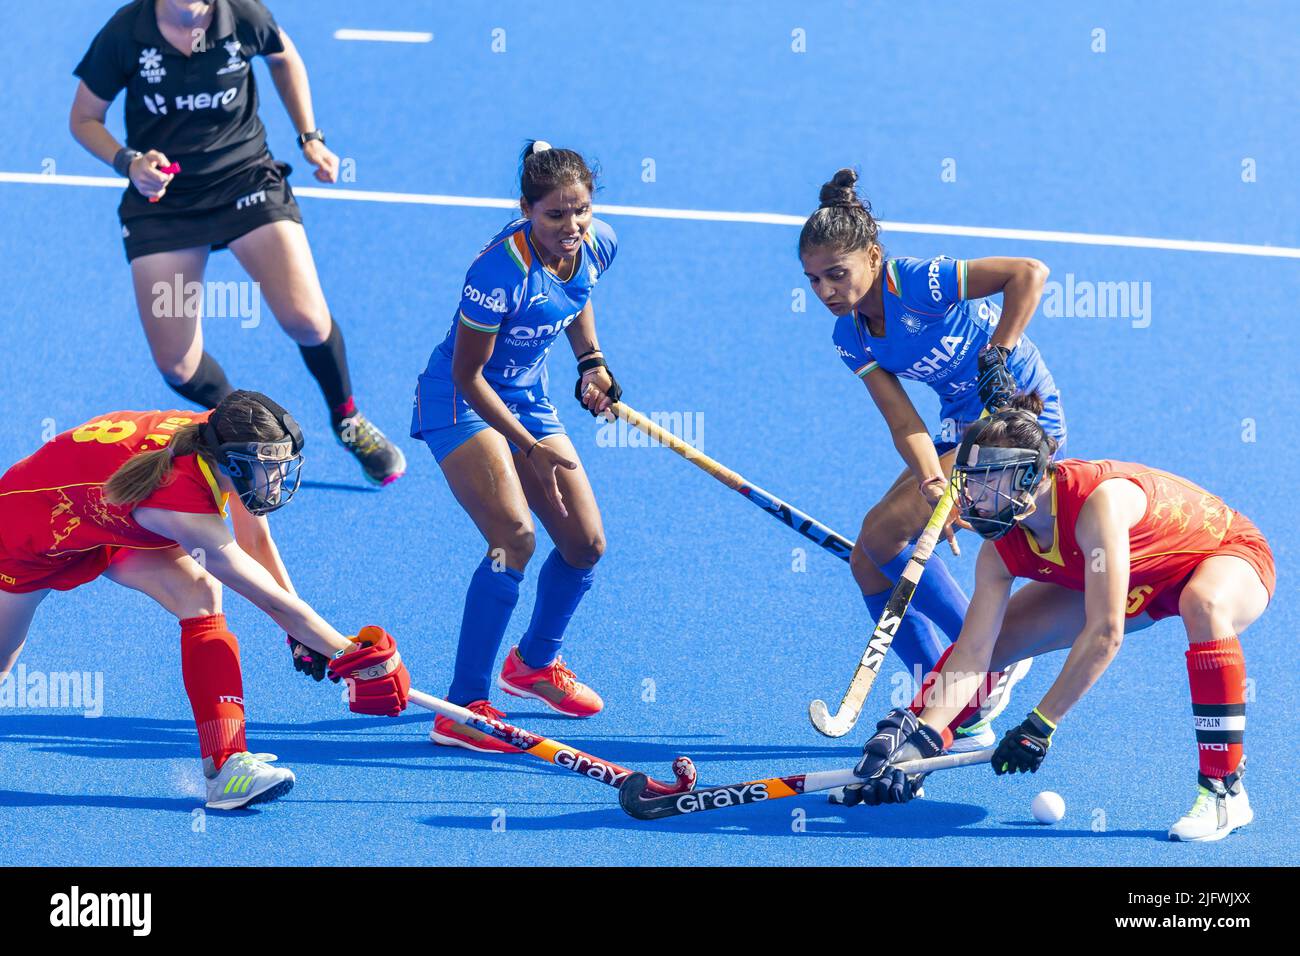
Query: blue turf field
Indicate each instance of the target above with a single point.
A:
(697, 591)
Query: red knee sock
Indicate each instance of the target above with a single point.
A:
(210, 668)
(932, 695)
(1216, 671)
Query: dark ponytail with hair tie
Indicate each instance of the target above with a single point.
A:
(543, 169)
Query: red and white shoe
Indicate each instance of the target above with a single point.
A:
(554, 685)
(451, 733)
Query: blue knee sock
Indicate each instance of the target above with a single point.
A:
(917, 642)
(560, 587)
(490, 601)
(938, 596)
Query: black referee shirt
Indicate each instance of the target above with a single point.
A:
(200, 110)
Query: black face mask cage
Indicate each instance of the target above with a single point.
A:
(1006, 507)
(262, 474)
(266, 475)
(986, 467)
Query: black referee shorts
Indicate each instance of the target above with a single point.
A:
(213, 217)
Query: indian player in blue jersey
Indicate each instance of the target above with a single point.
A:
(483, 407)
(928, 321)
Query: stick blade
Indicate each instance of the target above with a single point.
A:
(637, 802)
(828, 724)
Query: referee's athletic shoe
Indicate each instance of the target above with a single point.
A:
(245, 779)
(1221, 806)
(554, 685)
(381, 460)
(977, 733)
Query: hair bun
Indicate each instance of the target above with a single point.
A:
(840, 190)
(1030, 403)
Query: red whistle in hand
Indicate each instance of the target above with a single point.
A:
(171, 170)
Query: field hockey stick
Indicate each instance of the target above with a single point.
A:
(562, 755)
(809, 527)
(868, 669)
(635, 802)
(788, 514)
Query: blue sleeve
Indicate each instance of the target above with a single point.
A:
(928, 285)
(603, 244)
(855, 355)
(491, 285)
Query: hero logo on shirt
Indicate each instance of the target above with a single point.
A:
(234, 62)
(190, 101)
(151, 67)
(496, 302)
(936, 291)
(203, 101)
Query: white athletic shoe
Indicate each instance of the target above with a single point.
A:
(977, 732)
(1221, 806)
(246, 779)
(966, 739)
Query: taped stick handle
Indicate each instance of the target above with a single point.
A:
(804, 524)
(946, 761)
(440, 706)
(830, 779)
(692, 454)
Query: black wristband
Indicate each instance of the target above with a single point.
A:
(587, 365)
(123, 159)
(588, 352)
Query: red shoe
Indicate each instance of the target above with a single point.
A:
(450, 733)
(554, 685)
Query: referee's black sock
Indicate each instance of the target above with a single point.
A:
(328, 364)
(207, 387)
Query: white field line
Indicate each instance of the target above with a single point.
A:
(384, 36)
(713, 215)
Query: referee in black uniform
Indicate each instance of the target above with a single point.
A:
(191, 99)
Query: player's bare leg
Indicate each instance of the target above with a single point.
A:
(278, 258)
(535, 669)
(173, 329)
(1223, 597)
(890, 526)
(171, 577)
(1042, 617)
(177, 581)
(16, 613)
(483, 479)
